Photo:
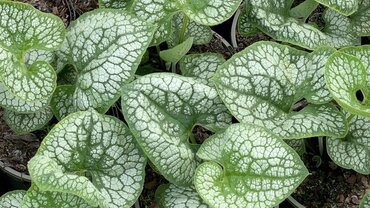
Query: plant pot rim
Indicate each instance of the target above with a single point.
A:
(14, 173)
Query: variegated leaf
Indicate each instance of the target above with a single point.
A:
(12, 199)
(345, 7)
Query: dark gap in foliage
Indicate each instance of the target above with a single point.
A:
(298, 106)
(365, 40)
(201, 134)
(360, 96)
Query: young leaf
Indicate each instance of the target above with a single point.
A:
(352, 151)
(176, 53)
(245, 27)
(346, 78)
(261, 84)
(257, 169)
(24, 123)
(62, 101)
(12, 199)
(105, 46)
(96, 146)
(34, 197)
(161, 110)
(169, 196)
(365, 203)
(209, 12)
(345, 7)
(201, 66)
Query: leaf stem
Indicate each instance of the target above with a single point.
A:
(159, 52)
(183, 29)
(349, 119)
(192, 139)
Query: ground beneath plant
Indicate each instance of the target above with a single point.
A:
(326, 186)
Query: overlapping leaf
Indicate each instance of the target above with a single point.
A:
(201, 66)
(161, 110)
(202, 34)
(12, 199)
(261, 84)
(24, 123)
(105, 46)
(116, 4)
(359, 20)
(62, 101)
(353, 151)
(176, 53)
(91, 156)
(210, 12)
(253, 169)
(347, 75)
(28, 37)
(345, 7)
(169, 196)
(34, 197)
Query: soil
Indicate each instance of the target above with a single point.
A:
(327, 186)
(16, 150)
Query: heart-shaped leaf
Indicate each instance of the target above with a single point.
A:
(346, 76)
(169, 196)
(176, 53)
(25, 123)
(352, 151)
(211, 12)
(34, 197)
(161, 110)
(23, 27)
(92, 156)
(105, 46)
(261, 84)
(12, 199)
(201, 66)
(254, 169)
(365, 203)
(273, 18)
(345, 7)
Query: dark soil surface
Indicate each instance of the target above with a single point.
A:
(16, 150)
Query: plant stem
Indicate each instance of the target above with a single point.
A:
(192, 139)
(159, 51)
(183, 29)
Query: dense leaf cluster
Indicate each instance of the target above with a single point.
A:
(89, 159)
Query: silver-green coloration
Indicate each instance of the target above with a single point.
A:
(202, 34)
(176, 53)
(273, 18)
(345, 7)
(116, 4)
(87, 145)
(26, 44)
(62, 101)
(35, 198)
(346, 74)
(209, 12)
(254, 169)
(201, 66)
(105, 46)
(12, 199)
(359, 20)
(22, 123)
(353, 151)
(161, 110)
(171, 196)
(365, 203)
(261, 84)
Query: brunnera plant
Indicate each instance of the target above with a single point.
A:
(89, 159)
